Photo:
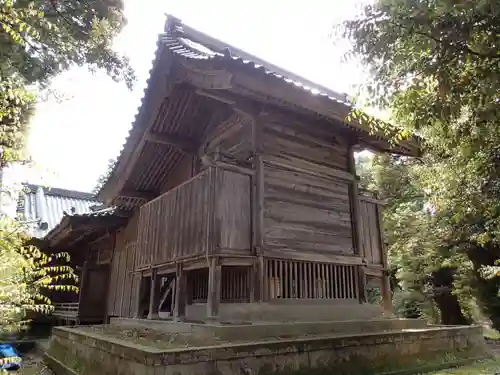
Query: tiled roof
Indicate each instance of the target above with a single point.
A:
(44, 207)
(93, 221)
(193, 44)
(187, 43)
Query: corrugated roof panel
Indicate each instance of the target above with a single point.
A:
(56, 202)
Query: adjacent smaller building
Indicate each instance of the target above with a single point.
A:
(70, 221)
(43, 207)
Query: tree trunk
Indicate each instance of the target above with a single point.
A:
(486, 290)
(447, 302)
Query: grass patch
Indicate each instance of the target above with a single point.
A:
(491, 367)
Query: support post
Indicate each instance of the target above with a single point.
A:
(214, 286)
(386, 282)
(83, 281)
(180, 293)
(356, 223)
(154, 297)
(139, 308)
(257, 207)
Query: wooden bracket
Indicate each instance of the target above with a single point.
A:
(184, 144)
(136, 194)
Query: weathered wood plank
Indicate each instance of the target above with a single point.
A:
(214, 288)
(233, 208)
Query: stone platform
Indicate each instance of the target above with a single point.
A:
(387, 346)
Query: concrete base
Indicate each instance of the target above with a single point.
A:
(289, 311)
(135, 350)
(267, 330)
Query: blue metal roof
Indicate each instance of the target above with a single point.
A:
(44, 207)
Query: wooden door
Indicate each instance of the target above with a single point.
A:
(93, 294)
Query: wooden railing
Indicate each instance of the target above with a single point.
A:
(208, 212)
(66, 310)
(287, 279)
(235, 284)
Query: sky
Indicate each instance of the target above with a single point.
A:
(72, 139)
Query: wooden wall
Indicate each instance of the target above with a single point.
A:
(122, 267)
(370, 231)
(233, 210)
(306, 191)
(210, 211)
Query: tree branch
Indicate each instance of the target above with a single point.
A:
(466, 48)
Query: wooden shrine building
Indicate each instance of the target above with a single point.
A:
(88, 239)
(240, 183)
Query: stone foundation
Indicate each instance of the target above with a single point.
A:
(406, 351)
(261, 331)
(289, 311)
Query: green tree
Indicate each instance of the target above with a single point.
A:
(27, 277)
(41, 38)
(38, 40)
(435, 66)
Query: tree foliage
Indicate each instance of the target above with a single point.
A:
(435, 65)
(38, 40)
(41, 38)
(27, 277)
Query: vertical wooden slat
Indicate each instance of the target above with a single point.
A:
(287, 278)
(276, 283)
(295, 280)
(281, 278)
(323, 281)
(356, 282)
(311, 280)
(306, 280)
(350, 281)
(302, 280)
(341, 281)
(327, 281)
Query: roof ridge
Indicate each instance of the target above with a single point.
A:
(55, 191)
(174, 24)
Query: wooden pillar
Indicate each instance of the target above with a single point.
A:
(138, 307)
(180, 293)
(82, 289)
(214, 285)
(154, 296)
(386, 282)
(356, 223)
(257, 207)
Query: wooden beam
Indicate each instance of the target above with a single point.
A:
(356, 222)
(242, 106)
(223, 98)
(290, 254)
(185, 144)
